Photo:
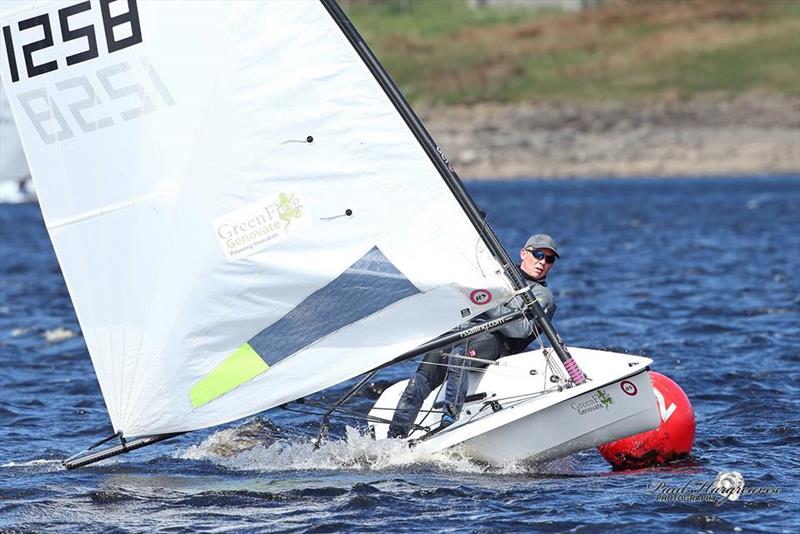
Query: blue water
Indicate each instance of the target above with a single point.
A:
(702, 275)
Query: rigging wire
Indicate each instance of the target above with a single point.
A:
(341, 412)
(501, 370)
(508, 370)
(349, 414)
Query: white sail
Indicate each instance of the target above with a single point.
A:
(241, 215)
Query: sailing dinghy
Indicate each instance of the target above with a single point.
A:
(246, 211)
(519, 411)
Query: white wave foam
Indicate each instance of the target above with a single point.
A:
(40, 465)
(356, 452)
(58, 334)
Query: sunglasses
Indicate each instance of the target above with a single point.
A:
(539, 255)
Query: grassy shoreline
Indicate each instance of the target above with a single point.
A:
(443, 52)
(633, 88)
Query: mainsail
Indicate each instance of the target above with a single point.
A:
(241, 214)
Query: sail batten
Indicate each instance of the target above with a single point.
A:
(242, 214)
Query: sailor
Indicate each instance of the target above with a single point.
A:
(451, 363)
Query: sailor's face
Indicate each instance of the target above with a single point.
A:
(534, 267)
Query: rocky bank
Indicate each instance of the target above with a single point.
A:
(750, 134)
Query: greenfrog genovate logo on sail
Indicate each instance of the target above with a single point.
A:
(259, 225)
(289, 209)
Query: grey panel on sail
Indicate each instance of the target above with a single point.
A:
(369, 285)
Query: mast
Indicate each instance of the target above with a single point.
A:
(532, 309)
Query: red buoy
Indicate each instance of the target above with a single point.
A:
(672, 440)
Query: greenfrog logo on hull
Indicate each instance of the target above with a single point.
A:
(265, 223)
(597, 400)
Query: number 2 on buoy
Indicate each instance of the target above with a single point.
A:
(662, 408)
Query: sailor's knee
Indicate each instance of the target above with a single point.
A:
(433, 373)
(419, 384)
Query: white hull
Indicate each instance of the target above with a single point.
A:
(536, 422)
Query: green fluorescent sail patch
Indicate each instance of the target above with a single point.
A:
(241, 366)
(368, 286)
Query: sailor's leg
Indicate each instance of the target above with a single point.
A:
(430, 373)
(483, 347)
(456, 388)
(457, 385)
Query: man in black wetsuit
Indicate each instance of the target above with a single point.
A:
(537, 258)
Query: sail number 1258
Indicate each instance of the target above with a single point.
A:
(125, 23)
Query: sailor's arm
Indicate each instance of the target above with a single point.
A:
(523, 329)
